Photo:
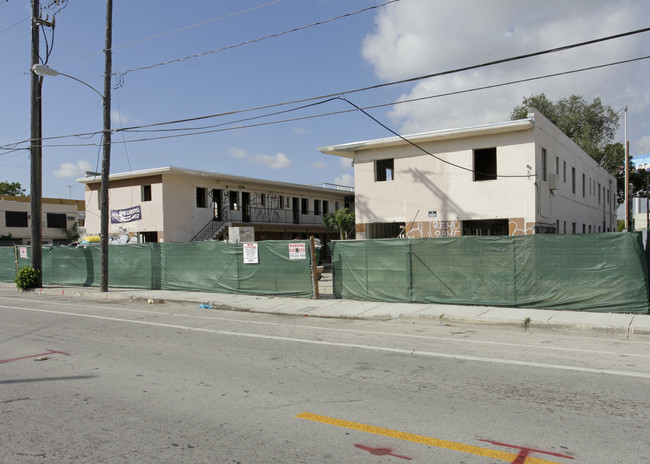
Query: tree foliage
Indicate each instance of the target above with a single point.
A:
(11, 188)
(341, 220)
(592, 126)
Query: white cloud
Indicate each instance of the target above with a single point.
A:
(277, 161)
(122, 119)
(422, 37)
(237, 153)
(346, 163)
(319, 165)
(345, 179)
(73, 170)
(644, 145)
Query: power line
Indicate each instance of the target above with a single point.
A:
(387, 84)
(259, 39)
(163, 34)
(200, 131)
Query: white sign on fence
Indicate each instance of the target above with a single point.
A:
(297, 251)
(23, 252)
(251, 255)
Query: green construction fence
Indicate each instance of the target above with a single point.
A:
(282, 268)
(587, 272)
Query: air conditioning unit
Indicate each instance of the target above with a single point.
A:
(552, 181)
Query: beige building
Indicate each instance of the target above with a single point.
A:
(511, 178)
(60, 219)
(171, 204)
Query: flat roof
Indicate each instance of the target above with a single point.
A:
(347, 150)
(95, 178)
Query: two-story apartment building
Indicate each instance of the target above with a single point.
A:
(60, 219)
(172, 204)
(510, 178)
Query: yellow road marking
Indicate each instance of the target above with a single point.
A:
(485, 452)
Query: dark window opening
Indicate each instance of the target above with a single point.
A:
(148, 237)
(56, 221)
(16, 219)
(485, 164)
(304, 206)
(201, 197)
(384, 170)
(379, 230)
(146, 193)
(234, 198)
(486, 227)
(326, 207)
(317, 207)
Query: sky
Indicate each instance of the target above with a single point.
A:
(210, 60)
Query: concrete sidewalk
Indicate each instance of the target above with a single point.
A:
(620, 325)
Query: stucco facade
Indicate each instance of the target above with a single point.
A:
(173, 205)
(511, 178)
(57, 214)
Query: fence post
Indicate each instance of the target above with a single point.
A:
(314, 267)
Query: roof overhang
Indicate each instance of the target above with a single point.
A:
(348, 150)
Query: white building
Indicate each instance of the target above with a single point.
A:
(60, 218)
(179, 205)
(511, 178)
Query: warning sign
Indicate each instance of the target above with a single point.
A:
(23, 252)
(297, 251)
(251, 256)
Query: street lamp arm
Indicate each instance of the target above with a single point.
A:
(42, 70)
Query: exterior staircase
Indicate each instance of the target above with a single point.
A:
(210, 231)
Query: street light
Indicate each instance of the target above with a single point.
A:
(42, 71)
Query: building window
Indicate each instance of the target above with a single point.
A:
(281, 202)
(599, 193)
(148, 237)
(201, 197)
(317, 207)
(263, 199)
(584, 228)
(544, 164)
(557, 166)
(574, 228)
(326, 207)
(384, 170)
(584, 185)
(336, 206)
(146, 193)
(485, 164)
(234, 198)
(608, 199)
(564, 170)
(16, 219)
(573, 180)
(56, 221)
(304, 206)
(565, 227)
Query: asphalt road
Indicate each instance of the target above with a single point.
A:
(97, 382)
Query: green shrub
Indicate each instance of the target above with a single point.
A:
(28, 278)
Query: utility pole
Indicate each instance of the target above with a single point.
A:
(36, 146)
(106, 159)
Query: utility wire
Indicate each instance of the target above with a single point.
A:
(259, 39)
(200, 131)
(135, 42)
(422, 149)
(387, 84)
